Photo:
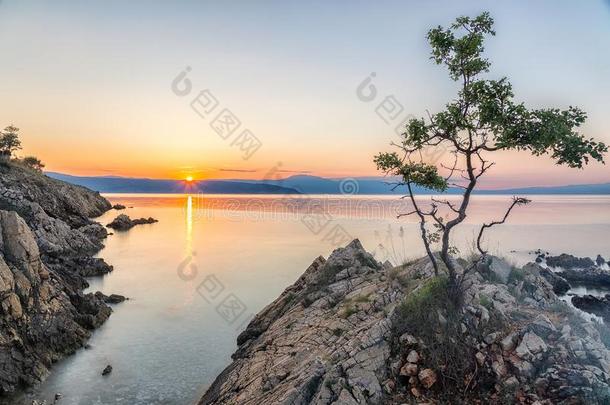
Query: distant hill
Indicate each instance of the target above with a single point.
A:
(113, 184)
(299, 184)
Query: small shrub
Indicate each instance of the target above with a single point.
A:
(447, 350)
(362, 298)
(516, 275)
(404, 280)
(32, 162)
(418, 310)
(486, 302)
(348, 311)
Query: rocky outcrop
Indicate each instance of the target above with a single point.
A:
(124, 223)
(42, 320)
(599, 306)
(593, 276)
(599, 260)
(560, 285)
(351, 331)
(566, 261)
(46, 245)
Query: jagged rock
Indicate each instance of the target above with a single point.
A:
(124, 223)
(290, 353)
(567, 262)
(599, 260)
(560, 285)
(44, 323)
(596, 305)
(91, 266)
(94, 231)
(46, 242)
(118, 207)
(542, 326)
(111, 299)
(531, 345)
(413, 357)
(480, 358)
(589, 276)
(509, 342)
(427, 377)
(500, 268)
(55, 211)
(409, 370)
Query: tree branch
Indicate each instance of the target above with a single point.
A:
(516, 201)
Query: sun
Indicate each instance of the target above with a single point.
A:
(189, 179)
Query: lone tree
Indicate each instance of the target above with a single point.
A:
(9, 141)
(483, 119)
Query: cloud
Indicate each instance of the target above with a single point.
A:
(238, 170)
(295, 171)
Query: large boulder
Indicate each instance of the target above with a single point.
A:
(124, 223)
(560, 285)
(599, 306)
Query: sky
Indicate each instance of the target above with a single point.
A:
(89, 83)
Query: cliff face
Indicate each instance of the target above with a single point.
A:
(353, 331)
(46, 242)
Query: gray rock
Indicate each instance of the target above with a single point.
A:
(378, 359)
(599, 260)
(107, 370)
(29, 295)
(530, 345)
(596, 305)
(124, 223)
(566, 261)
(46, 242)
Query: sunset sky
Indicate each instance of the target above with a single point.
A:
(90, 83)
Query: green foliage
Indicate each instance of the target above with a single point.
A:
(446, 349)
(338, 332)
(418, 312)
(362, 298)
(486, 112)
(462, 54)
(422, 174)
(516, 275)
(483, 118)
(9, 141)
(404, 280)
(32, 162)
(485, 301)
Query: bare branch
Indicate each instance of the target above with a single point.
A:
(447, 203)
(516, 201)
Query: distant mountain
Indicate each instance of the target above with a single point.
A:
(113, 184)
(299, 184)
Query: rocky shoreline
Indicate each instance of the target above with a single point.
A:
(47, 241)
(353, 331)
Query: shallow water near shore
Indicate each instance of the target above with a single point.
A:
(195, 278)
